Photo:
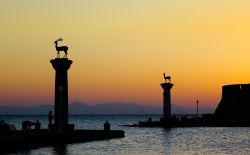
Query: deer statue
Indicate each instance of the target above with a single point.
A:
(61, 48)
(167, 78)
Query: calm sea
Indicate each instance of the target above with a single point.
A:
(200, 140)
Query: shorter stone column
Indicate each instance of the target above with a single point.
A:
(166, 99)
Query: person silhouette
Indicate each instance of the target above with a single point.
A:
(106, 126)
(50, 117)
(37, 125)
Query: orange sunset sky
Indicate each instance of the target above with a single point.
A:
(120, 49)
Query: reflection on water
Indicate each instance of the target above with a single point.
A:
(207, 140)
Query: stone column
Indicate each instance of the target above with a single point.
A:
(61, 66)
(166, 99)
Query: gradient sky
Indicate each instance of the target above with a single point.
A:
(120, 49)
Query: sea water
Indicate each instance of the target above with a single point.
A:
(195, 140)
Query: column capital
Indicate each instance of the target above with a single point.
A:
(61, 63)
(167, 85)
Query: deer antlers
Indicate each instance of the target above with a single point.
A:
(60, 39)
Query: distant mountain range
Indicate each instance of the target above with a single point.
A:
(78, 108)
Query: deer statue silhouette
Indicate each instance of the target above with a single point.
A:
(166, 77)
(61, 48)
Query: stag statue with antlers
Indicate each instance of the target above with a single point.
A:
(61, 48)
(166, 77)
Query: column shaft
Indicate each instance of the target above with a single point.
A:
(166, 99)
(61, 66)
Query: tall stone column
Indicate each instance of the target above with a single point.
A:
(166, 99)
(61, 66)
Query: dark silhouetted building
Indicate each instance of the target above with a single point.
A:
(235, 102)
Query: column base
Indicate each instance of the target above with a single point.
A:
(68, 127)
